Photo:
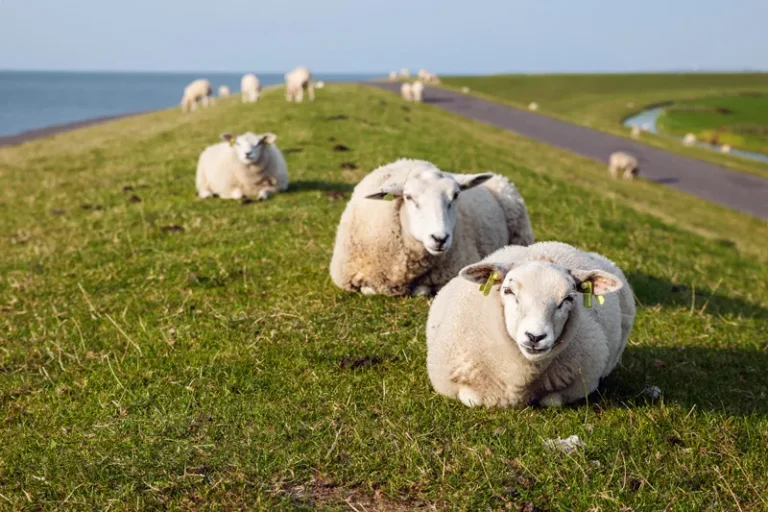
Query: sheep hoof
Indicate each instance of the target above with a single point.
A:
(422, 290)
(469, 397)
(552, 400)
(367, 290)
(237, 194)
(205, 194)
(264, 195)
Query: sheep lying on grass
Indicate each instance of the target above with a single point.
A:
(250, 87)
(417, 91)
(223, 91)
(624, 164)
(533, 338)
(533, 106)
(246, 165)
(436, 224)
(689, 140)
(298, 81)
(406, 91)
(725, 148)
(198, 91)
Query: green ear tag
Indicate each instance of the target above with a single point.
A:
(388, 197)
(600, 299)
(486, 288)
(586, 288)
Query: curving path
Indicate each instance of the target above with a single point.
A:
(743, 192)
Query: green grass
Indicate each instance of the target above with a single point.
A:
(741, 121)
(182, 354)
(604, 101)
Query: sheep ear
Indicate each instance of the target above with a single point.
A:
(602, 282)
(467, 181)
(393, 189)
(269, 138)
(480, 272)
(228, 137)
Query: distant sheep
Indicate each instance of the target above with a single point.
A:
(635, 131)
(319, 84)
(199, 91)
(406, 91)
(393, 76)
(436, 223)
(223, 91)
(404, 73)
(646, 127)
(250, 88)
(725, 148)
(417, 91)
(298, 81)
(465, 90)
(246, 165)
(624, 164)
(428, 77)
(689, 140)
(530, 336)
(533, 106)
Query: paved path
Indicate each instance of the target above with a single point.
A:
(739, 191)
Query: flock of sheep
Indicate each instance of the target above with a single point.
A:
(689, 140)
(414, 91)
(548, 320)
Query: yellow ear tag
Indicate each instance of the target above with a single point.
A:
(586, 288)
(600, 299)
(232, 142)
(486, 288)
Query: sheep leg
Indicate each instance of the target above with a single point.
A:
(311, 91)
(299, 95)
(613, 170)
(236, 194)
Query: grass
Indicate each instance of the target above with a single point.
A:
(161, 352)
(741, 121)
(604, 101)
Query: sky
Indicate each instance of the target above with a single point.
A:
(368, 36)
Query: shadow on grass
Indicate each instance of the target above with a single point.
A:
(328, 186)
(652, 291)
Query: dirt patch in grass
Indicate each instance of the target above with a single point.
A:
(320, 493)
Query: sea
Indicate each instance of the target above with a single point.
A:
(30, 100)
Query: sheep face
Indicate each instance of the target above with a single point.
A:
(430, 200)
(537, 299)
(249, 147)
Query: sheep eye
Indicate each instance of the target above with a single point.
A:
(508, 291)
(407, 197)
(567, 299)
(455, 196)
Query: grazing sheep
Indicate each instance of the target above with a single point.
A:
(223, 91)
(465, 90)
(533, 338)
(635, 131)
(319, 85)
(404, 73)
(725, 148)
(428, 77)
(533, 106)
(436, 223)
(417, 90)
(250, 88)
(296, 82)
(198, 91)
(406, 91)
(392, 76)
(624, 163)
(689, 140)
(246, 165)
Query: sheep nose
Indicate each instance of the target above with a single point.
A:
(535, 339)
(441, 238)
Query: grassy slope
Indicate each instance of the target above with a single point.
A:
(601, 101)
(218, 367)
(741, 121)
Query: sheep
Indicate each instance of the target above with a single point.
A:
(223, 91)
(392, 76)
(428, 77)
(417, 91)
(319, 84)
(241, 166)
(646, 127)
(532, 338)
(296, 82)
(465, 90)
(250, 88)
(689, 140)
(533, 106)
(624, 163)
(725, 148)
(436, 223)
(404, 73)
(635, 131)
(198, 91)
(406, 91)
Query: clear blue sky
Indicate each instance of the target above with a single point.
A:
(448, 36)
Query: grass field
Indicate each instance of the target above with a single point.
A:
(604, 101)
(161, 352)
(741, 121)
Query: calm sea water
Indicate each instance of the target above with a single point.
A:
(30, 99)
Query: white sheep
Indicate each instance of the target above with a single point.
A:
(404, 73)
(417, 91)
(646, 127)
(428, 77)
(246, 165)
(689, 140)
(725, 148)
(623, 163)
(198, 91)
(465, 90)
(533, 106)
(223, 91)
(296, 82)
(532, 338)
(250, 88)
(436, 224)
(319, 84)
(635, 131)
(392, 76)
(406, 91)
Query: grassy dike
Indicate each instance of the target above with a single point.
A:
(604, 101)
(161, 352)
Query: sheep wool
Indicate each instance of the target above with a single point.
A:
(624, 164)
(250, 88)
(199, 91)
(298, 81)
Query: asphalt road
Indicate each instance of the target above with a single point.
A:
(742, 192)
